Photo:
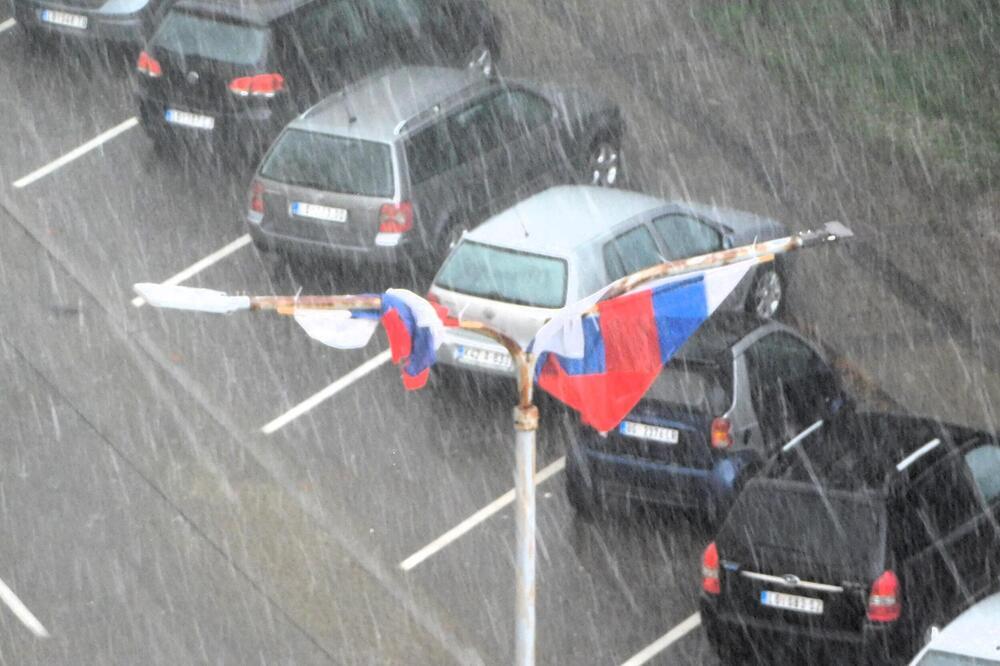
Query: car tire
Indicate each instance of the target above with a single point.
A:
(766, 298)
(602, 164)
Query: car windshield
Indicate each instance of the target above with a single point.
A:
(505, 275)
(193, 35)
(938, 658)
(331, 163)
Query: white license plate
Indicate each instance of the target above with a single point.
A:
(188, 119)
(486, 358)
(318, 212)
(792, 602)
(64, 19)
(645, 431)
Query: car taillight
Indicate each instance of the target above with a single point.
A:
(722, 435)
(259, 85)
(710, 570)
(257, 197)
(395, 218)
(149, 65)
(883, 602)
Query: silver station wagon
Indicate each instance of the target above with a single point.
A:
(521, 266)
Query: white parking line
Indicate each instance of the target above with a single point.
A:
(21, 611)
(330, 391)
(665, 641)
(479, 516)
(76, 152)
(8, 24)
(201, 265)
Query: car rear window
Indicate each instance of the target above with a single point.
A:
(821, 526)
(193, 35)
(505, 275)
(331, 163)
(699, 385)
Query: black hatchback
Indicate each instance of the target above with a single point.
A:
(854, 541)
(235, 73)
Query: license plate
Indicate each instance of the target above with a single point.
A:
(486, 358)
(318, 212)
(645, 431)
(188, 119)
(792, 602)
(64, 19)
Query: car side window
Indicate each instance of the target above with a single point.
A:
(684, 236)
(519, 112)
(630, 252)
(984, 464)
(943, 497)
(395, 15)
(430, 152)
(474, 130)
(329, 24)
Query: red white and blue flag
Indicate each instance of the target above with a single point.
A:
(602, 364)
(410, 322)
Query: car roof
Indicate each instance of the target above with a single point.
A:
(974, 632)
(562, 219)
(248, 11)
(375, 107)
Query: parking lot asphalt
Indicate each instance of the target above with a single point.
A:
(152, 518)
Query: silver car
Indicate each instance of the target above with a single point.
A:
(520, 267)
(971, 639)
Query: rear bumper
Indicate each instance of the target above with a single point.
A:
(268, 240)
(249, 131)
(618, 478)
(874, 644)
(130, 29)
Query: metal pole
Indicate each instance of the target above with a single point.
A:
(525, 424)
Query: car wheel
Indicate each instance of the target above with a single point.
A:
(604, 162)
(767, 294)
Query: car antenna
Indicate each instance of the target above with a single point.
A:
(523, 228)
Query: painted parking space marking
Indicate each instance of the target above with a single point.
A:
(201, 265)
(478, 517)
(21, 611)
(96, 142)
(691, 623)
(8, 24)
(327, 393)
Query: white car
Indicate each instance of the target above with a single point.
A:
(517, 269)
(971, 639)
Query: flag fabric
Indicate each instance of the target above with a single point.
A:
(602, 364)
(411, 323)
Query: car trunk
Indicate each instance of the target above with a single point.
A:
(792, 539)
(200, 55)
(313, 215)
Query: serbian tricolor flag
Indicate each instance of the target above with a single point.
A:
(410, 322)
(601, 364)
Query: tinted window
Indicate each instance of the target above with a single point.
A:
(630, 252)
(519, 112)
(192, 35)
(474, 130)
(392, 15)
(782, 356)
(984, 463)
(505, 275)
(697, 385)
(430, 152)
(332, 163)
(329, 24)
(943, 498)
(685, 236)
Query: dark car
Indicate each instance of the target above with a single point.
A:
(234, 73)
(128, 22)
(734, 393)
(398, 165)
(854, 540)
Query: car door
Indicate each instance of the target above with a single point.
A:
(530, 139)
(790, 386)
